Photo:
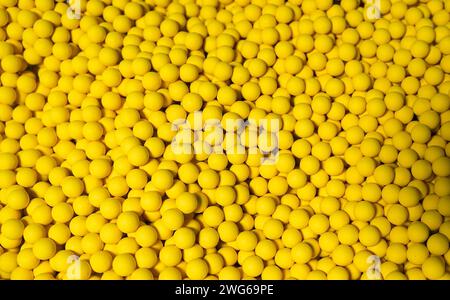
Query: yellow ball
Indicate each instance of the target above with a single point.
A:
(437, 244)
(184, 238)
(146, 235)
(128, 222)
(328, 241)
(162, 179)
(44, 249)
(342, 255)
(146, 258)
(13, 229)
(62, 212)
(12, 63)
(334, 87)
(228, 231)
(213, 216)
(369, 236)
(151, 201)
(273, 229)
(141, 274)
(397, 214)
(208, 238)
(170, 255)
(26, 259)
(110, 208)
(364, 211)
(208, 179)
(197, 269)
(124, 264)
(225, 195)
(173, 218)
(138, 156)
(246, 240)
(18, 198)
(302, 253)
(418, 232)
(170, 273)
(101, 261)
(253, 266)
(187, 202)
(319, 223)
(409, 196)
(72, 187)
(299, 218)
(278, 185)
(433, 267)
(348, 234)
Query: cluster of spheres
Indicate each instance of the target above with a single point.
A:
(90, 184)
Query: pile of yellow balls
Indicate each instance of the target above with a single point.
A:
(91, 187)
